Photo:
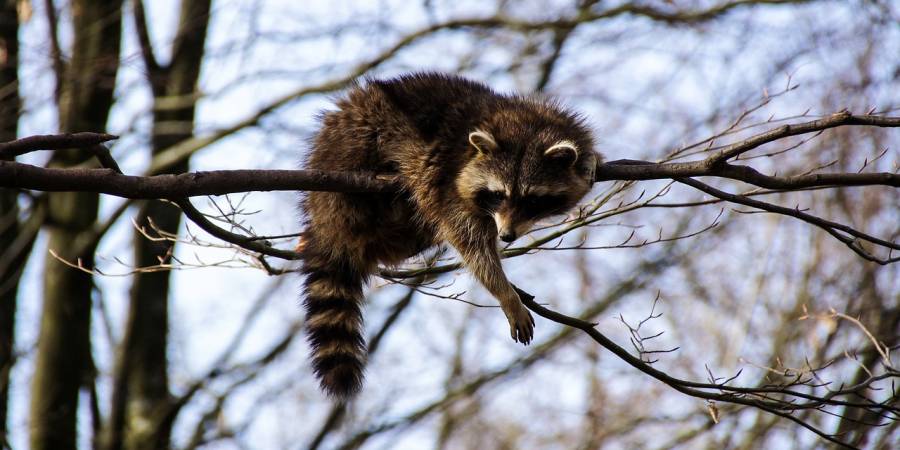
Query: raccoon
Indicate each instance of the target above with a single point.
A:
(474, 165)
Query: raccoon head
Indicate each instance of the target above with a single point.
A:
(528, 168)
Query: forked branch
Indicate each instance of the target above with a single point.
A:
(110, 180)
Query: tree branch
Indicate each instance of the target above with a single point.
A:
(9, 150)
(182, 186)
(192, 184)
(220, 182)
(629, 169)
(247, 242)
(834, 120)
(749, 396)
(59, 66)
(143, 34)
(833, 228)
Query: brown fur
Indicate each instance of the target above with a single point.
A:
(473, 163)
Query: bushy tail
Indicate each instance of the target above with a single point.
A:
(334, 323)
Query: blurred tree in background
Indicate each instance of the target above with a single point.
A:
(123, 327)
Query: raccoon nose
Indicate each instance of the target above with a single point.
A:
(508, 236)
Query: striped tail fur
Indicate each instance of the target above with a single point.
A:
(334, 323)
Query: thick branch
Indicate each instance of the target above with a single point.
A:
(219, 182)
(16, 175)
(182, 186)
(628, 169)
(192, 184)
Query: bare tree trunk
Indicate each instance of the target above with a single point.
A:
(11, 261)
(63, 357)
(141, 387)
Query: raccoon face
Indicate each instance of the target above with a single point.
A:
(520, 181)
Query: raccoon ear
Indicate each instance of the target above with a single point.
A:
(562, 152)
(482, 141)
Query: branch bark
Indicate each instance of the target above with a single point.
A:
(9, 150)
(193, 184)
(179, 187)
(24, 176)
(220, 182)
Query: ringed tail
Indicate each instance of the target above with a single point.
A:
(333, 295)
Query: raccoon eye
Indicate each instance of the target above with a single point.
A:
(543, 205)
(488, 199)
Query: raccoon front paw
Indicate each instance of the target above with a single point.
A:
(521, 324)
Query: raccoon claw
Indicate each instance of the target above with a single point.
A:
(521, 326)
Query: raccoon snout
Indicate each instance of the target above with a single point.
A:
(507, 236)
(505, 230)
